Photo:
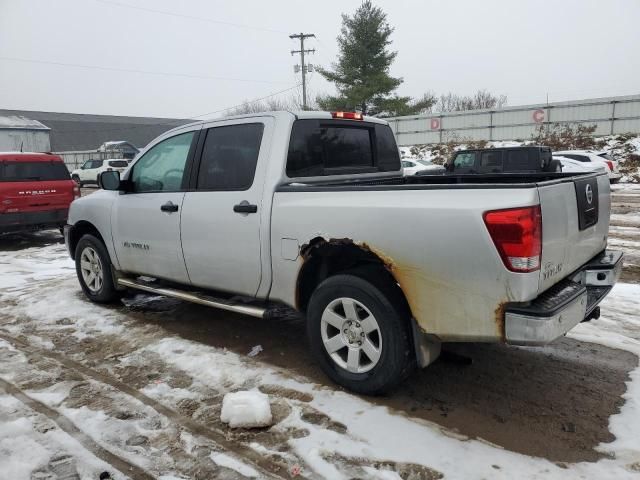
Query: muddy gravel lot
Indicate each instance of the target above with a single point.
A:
(135, 389)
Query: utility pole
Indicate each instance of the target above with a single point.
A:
(303, 67)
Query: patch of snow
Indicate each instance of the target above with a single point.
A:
(619, 327)
(227, 461)
(255, 351)
(381, 474)
(246, 409)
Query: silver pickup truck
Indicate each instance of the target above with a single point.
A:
(310, 211)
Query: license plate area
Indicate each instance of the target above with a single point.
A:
(587, 202)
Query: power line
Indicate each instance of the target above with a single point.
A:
(303, 67)
(190, 17)
(249, 102)
(190, 117)
(130, 70)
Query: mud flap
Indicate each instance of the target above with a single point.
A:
(427, 347)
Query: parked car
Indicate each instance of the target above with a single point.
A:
(526, 159)
(597, 157)
(412, 167)
(310, 211)
(35, 191)
(574, 166)
(91, 169)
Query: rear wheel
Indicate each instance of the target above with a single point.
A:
(93, 268)
(360, 334)
(76, 179)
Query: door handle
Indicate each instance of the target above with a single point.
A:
(169, 207)
(245, 207)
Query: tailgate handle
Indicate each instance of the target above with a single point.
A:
(169, 207)
(245, 207)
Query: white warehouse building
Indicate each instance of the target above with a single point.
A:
(18, 133)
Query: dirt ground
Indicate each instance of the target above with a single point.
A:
(552, 402)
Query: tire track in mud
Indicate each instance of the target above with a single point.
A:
(266, 466)
(125, 467)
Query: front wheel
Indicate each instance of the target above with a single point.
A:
(93, 268)
(360, 334)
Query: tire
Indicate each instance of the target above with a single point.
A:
(613, 181)
(91, 252)
(554, 166)
(391, 340)
(76, 179)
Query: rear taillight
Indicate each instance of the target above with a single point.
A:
(517, 234)
(76, 192)
(347, 115)
(610, 163)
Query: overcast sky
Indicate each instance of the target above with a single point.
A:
(207, 55)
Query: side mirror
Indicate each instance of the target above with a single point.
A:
(109, 180)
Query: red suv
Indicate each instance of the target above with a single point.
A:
(35, 191)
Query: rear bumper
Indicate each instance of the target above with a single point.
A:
(26, 221)
(564, 305)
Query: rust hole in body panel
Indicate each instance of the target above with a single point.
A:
(321, 258)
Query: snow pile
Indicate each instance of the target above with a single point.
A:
(246, 410)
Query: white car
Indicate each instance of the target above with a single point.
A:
(576, 166)
(411, 167)
(596, 157)
(89, 172)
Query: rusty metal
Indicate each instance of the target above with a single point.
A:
(499, 318)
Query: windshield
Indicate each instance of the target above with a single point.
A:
(26, 171)
(425, 163)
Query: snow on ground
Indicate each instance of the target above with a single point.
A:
(41, 295)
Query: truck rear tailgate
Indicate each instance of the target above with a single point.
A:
(575, 224)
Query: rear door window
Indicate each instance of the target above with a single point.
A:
(118, 163)
(33, 171)
(580, 158)
(491, 161)
(319, 148)
(517, 160)
(230, 156)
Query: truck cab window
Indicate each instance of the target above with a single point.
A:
(229, 157)
(162, 167)
(321, 148)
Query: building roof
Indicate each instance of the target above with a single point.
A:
(21, 123)
(74, 131)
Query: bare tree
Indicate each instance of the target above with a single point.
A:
(482, 99)
(269, 105)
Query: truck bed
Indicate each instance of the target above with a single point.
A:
(497, 180)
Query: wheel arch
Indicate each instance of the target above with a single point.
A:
(81, 228)
(324, 258)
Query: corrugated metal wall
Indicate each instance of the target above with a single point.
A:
(27, 140)
(611, 115)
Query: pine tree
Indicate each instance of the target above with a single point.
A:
(361, 74)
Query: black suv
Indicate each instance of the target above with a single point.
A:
(529, 159)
